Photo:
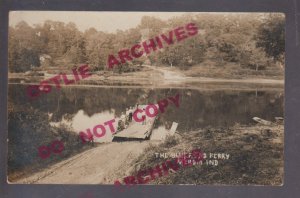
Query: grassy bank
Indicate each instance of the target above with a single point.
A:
(256, 156)
(231, 70)
(29, 129)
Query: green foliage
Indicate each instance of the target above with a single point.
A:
(170, 141)
(255, 59)
(270, 36)
(29, 129)
(182, 54)
(25, 59)
(222, 38)
(22, 54)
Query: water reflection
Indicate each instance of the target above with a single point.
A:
(84, 107)
(82, 122)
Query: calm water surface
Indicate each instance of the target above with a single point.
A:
(84, 107)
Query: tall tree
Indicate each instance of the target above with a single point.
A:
(271, 35)
(23, 49)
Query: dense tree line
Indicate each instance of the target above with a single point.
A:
(254, 41)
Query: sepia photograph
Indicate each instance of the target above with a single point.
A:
(140, 98)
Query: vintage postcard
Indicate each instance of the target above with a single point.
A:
(132, 98)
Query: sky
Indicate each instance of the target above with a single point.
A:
(102, 21)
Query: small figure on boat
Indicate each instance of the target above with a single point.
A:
(123, 117)
(144, 118)
(120, 125)
(127, 113)
(92, 140)
(127, 118)
(130, 114)
(122, 122)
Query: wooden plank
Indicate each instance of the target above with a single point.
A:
(173, 128)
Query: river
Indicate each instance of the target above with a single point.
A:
(87, 106)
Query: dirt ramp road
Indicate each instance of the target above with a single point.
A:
(101, 165)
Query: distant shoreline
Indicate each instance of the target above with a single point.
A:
(192, 79)
(160, 78)
(218, 86)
